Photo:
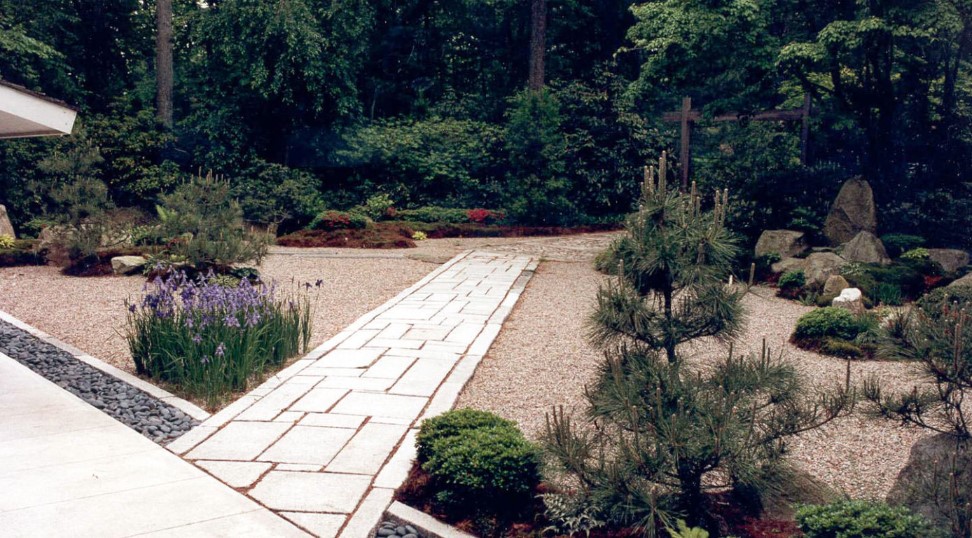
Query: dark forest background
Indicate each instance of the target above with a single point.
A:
(305, 105)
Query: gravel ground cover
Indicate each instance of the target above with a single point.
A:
(139, 411)
(89, 313)
(542, 359)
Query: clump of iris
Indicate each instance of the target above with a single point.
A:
(212, 338)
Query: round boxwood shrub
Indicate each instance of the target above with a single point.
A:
(827, 322)
(861, 519)
(478, 462)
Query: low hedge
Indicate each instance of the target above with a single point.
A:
(19, 252)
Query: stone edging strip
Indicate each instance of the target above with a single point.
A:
(165, 396)
(427, 525)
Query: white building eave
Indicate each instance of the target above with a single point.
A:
(24, 113)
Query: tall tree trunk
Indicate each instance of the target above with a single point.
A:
(163, 62)
(538, 43)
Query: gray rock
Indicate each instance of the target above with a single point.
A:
(850, 299)
(853, 212)
(923, 485)
(6, 227)
(820, 265)
(789, 264)
(865, 247)
(786, 243)
(964, 282)
(126, 265)
(949, 258)
(835, 284)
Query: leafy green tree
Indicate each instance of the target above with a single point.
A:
(536, 184)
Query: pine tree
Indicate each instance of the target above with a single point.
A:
(672, 266)
(663, 431)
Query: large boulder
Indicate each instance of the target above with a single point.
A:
(126, 265)
(789, 264)
(820, 265)
(964, 282)
(853, 212)
(835, 284)
(925, 485)
(850, 299)
(865, 247)
(786, 243)
(6, 227)
(949, 258)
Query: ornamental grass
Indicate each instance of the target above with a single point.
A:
(211, 336)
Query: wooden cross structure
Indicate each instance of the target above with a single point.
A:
(687, 117)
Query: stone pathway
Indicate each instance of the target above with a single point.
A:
(326, 441)
(68, 469)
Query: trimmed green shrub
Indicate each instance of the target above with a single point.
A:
(908, 275)
(896, 244)
(6, 242)
(339, 220)
(916, 254)
(860, 519)
(793, 280)
(478, 462)
(827, 322)
(434, 214)
(841, 348)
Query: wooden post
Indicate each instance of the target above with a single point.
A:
(805, 131)
(685, 154)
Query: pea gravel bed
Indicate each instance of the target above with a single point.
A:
(141, 412)
(541, 359)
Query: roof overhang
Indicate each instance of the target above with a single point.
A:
(24, 113)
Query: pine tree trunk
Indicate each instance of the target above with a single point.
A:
(163, 62)
(538, 41)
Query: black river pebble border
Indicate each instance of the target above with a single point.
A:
(138, 410)
(390, 529)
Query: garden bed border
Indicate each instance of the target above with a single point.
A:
(163, 395)
(427, 525)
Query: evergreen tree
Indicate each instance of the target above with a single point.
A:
(663, 431)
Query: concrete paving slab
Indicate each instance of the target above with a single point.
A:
(105, 479)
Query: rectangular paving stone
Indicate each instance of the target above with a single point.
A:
(237, 474)
(398, 344)
(239, 441)
(394, 473)
(352, 358)
(357, 383)
(311, 492)
(298, 467)
(381, 405)
(321, 525)
(358, 339)
(389, 367)
(319, 400)
(368, 514)
(308, 445)
(422, 378)
(368, 449)
(332, 420)
(464, 333)
(268, 407)
(324, 371)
